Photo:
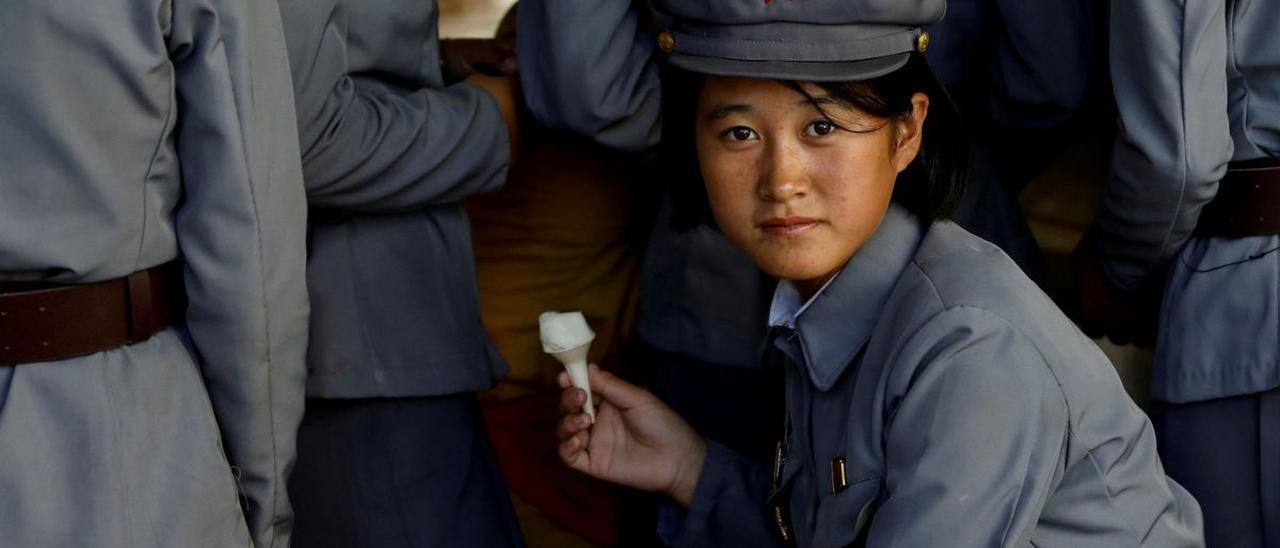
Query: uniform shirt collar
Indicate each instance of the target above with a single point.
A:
(827, 332)
(787, 304)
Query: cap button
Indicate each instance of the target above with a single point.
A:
(922, 42)
(666, 42)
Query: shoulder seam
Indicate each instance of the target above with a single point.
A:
(1044, 361)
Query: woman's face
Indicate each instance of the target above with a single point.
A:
(798, 194)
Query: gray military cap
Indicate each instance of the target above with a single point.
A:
(814, 40)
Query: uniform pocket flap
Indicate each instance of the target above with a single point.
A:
(843, 518)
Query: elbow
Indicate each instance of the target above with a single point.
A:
(1205, 168)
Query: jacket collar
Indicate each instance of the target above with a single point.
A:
(828, 331)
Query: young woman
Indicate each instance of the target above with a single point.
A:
(934, 396)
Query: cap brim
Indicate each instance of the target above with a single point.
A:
(820, 71)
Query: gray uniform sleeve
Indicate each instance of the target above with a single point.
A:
(729, 505)
(975, 439)
(241, 230)
(385, 152)
(369, 147)
(1168, 69)
(587, 67)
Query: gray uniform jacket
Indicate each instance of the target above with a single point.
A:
(389, 153)
(1197, 84)
(968, 410)
(132, 133)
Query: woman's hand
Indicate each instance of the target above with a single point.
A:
(636, 441)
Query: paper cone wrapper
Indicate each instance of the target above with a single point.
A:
(575, 363)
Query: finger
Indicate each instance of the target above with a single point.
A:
(563, 380)
(572, 400)
(573, 452)
(569, 425)
(622, 394)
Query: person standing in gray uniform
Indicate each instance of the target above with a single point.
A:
(934, 396)
(392, 451)
(153, 312)
(1193, 203)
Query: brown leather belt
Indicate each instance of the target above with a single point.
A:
(41, 323)
(1248, 201)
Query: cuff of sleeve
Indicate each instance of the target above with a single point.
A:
(671, 518)
(1123, 279)
(722, 475)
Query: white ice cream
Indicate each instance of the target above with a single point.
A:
(567, 337)
(563, 331)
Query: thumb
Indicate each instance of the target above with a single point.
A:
(617, 392)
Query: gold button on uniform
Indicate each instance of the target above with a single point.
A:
(666, 42)
(922, 43)
(781, 521)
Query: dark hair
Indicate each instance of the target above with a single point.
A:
(931, 187)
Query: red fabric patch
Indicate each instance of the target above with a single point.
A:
(523, 433)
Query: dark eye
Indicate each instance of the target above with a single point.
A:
(818, 128)
(740, 133)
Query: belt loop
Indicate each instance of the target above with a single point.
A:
(141, 322)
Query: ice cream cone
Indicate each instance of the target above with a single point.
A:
(567, 337)
(575, 363)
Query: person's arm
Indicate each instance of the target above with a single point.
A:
(373, 147)
(1168, 70)
(980, 433)
(374, 151)
(640, 442)
(727, 507)
(588, 67)
(973, 443)
(241, 230)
